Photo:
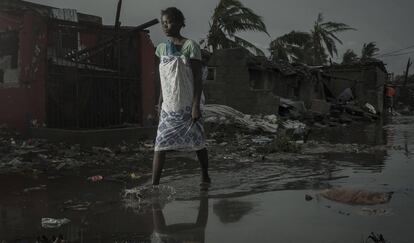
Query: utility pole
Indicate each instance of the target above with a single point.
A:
(409, 63)
(117, 53)
(118, 15)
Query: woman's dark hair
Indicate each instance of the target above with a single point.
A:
(175, 14)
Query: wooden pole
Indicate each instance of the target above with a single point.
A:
(117, 53)
(409, 63)
(118, 15)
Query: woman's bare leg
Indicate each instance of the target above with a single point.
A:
(157, 166)
(202, 156)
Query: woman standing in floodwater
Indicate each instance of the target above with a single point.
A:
(180, 127)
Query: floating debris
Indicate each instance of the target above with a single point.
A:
(37, 188)
(374, 212)
(51, 223)
(308, 197)
(78, 206)
(356, 197)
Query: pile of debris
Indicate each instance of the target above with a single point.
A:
(221, 114)
(251, 135)
(227, 116)
(323, 114)
(36, 156)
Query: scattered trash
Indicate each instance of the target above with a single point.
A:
(295, 125)
(296, 106)
(101, 149)
(79, 206)
(226, 115)
(15, 162)
(51, 223)
(375, 238)
(262, 139)
(95, 178)
(135, 176)
(344, 213)
(374, 212)
(148, 145)
(356, 197)
(53, 239)
(37, 188)
(370, 108)
(271, 118)
(60, 166)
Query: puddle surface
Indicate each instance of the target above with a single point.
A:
(250, 200)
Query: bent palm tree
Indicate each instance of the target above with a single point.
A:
(325, 38)
(229, 18)
(369, 51)
(349, 57)
(309, 48)
(294, 46)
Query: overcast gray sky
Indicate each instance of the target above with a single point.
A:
(387, 22)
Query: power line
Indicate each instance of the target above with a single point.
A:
(399, 54)
(394, 52)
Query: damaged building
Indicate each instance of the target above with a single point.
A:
(254, 85)
(63, 69)
(233, 80)
(365, 80)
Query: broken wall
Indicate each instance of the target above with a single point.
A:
(285, 86)
(299, 86)
(238, 85)
(366, 83)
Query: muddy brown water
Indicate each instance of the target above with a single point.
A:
(250, 200)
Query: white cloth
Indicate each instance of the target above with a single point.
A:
(176, 130)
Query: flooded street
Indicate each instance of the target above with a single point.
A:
(263, 198)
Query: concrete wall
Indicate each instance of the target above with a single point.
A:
(24, 101)
(285, 86)
(366, 82)
(147, 69)
(232, 85)
(299, 87)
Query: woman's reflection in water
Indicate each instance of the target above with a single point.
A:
(183, 232)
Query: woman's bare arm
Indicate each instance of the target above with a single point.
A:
(196, 67)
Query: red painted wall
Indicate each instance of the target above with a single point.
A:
(26, 102)
(148, 75)
(21, 105)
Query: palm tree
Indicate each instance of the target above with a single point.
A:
(349, 57)
(294, 46)
(229, 18)
(369, 51)
(310, 48)
(325, 38)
